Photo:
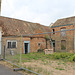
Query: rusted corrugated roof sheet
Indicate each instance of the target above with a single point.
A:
(15, 27)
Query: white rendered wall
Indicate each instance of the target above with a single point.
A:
(0, 40)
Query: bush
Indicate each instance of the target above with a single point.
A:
(62, 55)
(72, 58)
(56, 56)
(63, 47)
(40, 50)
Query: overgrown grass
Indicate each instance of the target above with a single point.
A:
(41, 56)
(46, 60)
(64, 56)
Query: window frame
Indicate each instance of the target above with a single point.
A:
(62, 30)
(11, 43)
(63, 47)
(53, 30)
(39, 44)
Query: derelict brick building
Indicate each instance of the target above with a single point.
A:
(64, 41)
(11, 31)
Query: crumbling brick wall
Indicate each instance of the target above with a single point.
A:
(69, 38)
(33, 44)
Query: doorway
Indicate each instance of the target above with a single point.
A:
(26, 47)
(53, 41)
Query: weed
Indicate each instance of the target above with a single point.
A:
(59, 63)
(72, 58)
(59, 68)
(39, 70)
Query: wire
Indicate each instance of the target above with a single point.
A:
(38, 33)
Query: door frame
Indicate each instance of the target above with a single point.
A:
(53, 42)
(28, 46)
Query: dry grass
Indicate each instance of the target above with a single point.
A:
(10, 66)
(51, 67)
(46, 64)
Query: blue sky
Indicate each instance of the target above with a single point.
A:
(38, 11)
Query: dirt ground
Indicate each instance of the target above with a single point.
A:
(51, 67)
(10, 66)
(47, 67)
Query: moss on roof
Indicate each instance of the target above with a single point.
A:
(11, 26)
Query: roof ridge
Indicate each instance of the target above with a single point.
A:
(67, 17)
(21, 20)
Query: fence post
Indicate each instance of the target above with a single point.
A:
(1, 48)
(4, 53)
(21, 50)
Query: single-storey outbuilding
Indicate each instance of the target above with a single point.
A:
(14, 35)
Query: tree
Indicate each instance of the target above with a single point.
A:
(46, 38)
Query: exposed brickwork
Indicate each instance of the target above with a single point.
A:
(33, 44)
(69, 38)
(14, 27)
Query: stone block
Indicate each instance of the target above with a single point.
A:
(48, 51)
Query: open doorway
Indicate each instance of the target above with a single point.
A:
(26, 47)
(53, 45)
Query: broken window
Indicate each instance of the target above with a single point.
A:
(11, 44)
(53, 31)
(63, 32)
(39, 44)
(63, 44)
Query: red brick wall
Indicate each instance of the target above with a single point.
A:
(69, 38)
(33, 43)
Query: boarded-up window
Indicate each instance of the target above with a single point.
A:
(63, 32)
(63, 45)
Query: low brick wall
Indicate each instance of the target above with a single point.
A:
(48, 51)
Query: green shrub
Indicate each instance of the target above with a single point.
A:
(63, 47)
(58, 51)
(46, 37)
(62, 55)
(72, 58)
(40, 50)
(56, 55)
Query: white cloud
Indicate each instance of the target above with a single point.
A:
(41, 11)
(7, 7)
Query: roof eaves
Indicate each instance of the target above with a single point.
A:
(61, 25)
